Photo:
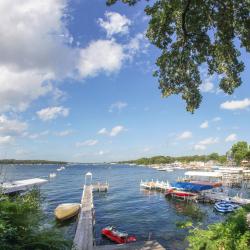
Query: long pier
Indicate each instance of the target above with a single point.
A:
(84, 236)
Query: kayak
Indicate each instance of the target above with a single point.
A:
(118, 237)
(66, 211)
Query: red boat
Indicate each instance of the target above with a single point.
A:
(180, 193)
(116, 236)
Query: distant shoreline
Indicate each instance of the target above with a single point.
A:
(30, 162)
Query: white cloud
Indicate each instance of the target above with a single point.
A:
(209, 141)
(116, 130)
(101, 56)
(87, 143)
(202, 145)
(51, 113)
(19, 88)
(185, 135)
(234, 105)
(207, 86)
(117, 106)
(6, 139)
(11, 126)
(231, 137)
(33, 49)
(34, 136)
(216, 119)
(64, 133)
(115, 23)
(199, 147)
(103, 131)
(37, 135)
(137, 43)
(33, 35)
(204, 124)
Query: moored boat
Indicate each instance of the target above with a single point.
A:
(118, 237)
(66, 211)
(225, 207)
(180, 194)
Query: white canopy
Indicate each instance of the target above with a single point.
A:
(203, 173)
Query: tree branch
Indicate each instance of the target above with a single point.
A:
(184, 13)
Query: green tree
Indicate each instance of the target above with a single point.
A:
(214, 156)
(248, 155)
(193, 33)
(239, 151)
(21, 225)
(233, 234)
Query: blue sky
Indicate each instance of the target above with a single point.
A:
(76, 84)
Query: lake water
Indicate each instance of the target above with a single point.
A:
(143, 213)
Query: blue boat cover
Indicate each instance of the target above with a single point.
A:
(191, 186)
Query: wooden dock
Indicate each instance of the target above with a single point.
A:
(21, 185)
(84, 237)
(143, 245)
(214, 197)
(100, 187)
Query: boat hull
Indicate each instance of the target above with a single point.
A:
(180, 194)
(111, 235)
(66, 211)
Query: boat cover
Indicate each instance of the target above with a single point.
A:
(191, 186)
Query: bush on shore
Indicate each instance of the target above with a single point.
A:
(232, 234)
(21, 226)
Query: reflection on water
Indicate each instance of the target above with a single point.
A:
(189, 209)
(143, 213)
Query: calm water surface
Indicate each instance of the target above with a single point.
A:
(143, 213)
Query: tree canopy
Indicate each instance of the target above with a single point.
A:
(194, 33)
(240, 151)
(185, 159)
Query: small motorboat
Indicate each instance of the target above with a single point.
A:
(225, 207)
(118, 237)
(66, 211)
(180, 193)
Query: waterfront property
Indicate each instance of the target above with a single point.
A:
(190, 189)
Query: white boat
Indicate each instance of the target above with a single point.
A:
(52, 175)
(169, 170)
(21, 185)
